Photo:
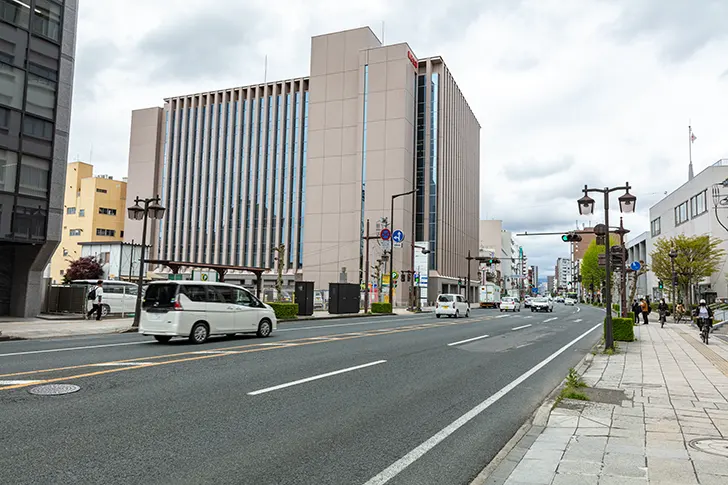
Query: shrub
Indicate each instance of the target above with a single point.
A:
(285, 311)
(381, 307)
(622, 329)
(615, 307)
(630, 315)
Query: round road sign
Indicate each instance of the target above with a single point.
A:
(635, 266)
(385, 234)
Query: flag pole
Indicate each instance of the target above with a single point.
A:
(690, 152)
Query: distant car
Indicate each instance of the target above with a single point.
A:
(542, 305)
(527, 302)
(119, 296)
(451, 305)
(569, 301)
(510, 304)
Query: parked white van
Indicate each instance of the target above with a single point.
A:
(119, 296)
(197, 309)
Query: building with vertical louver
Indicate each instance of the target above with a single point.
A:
(305, 162)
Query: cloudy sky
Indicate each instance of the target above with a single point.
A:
(568, 92)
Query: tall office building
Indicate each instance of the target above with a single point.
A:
(306, 162)
(37, 48)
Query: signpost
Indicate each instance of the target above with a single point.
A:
(635, 266)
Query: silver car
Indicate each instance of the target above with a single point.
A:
(542, 304)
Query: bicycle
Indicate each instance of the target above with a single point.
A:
(704, 324)
(678, 316)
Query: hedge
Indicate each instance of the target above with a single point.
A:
(615, 307)
(630, 315)
(285, 310)
(622, 329)
(381, 307)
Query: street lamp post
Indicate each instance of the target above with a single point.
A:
(673, 255)
(621, 231)
(136, 212)
(391, 251)
(586, 207)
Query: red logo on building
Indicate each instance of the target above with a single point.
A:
(412, 59)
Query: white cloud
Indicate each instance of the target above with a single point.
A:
(568, 92)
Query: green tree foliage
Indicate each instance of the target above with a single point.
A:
(591, 272)
(698, 257)
(86, 268)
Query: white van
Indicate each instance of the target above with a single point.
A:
(119, 296)
(198, 309)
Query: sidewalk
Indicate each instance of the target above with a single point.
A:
(671, 426)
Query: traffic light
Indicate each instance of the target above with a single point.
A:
(674, 279)
(571, 237)
(660, 285)
(460, 282)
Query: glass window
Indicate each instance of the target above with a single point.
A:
(229, 294)
(37, 128)
(41, 97)
(106, 232)
(43, 71)
(108, 212)
(47, 19)
(29, 218)
(11, 86)
(74, 232)
(214, 295)
(34, 176)
(698, 204)
(162, 295)
(15, 12)
(8, 169)
(13, 44)
(82, 213)
(655, 227)
(65, 252)
(681, 213)
(444, 298)
(194, 292)
(101, 191)
(71, 210)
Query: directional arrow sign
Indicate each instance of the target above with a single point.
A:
(398, 236)
(635, 266)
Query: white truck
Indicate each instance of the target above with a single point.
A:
(490, 295)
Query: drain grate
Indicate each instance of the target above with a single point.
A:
(714, 446)
(53, 389)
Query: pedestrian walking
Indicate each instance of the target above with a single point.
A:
(662, 309)
(645, 309)
(637, 311)
(95, 296)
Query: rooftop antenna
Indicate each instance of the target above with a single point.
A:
(265, 71)
(691, 139)
(382, 31)
(91, 154)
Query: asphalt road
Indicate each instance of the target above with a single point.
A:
(400, 400)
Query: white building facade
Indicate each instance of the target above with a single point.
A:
(689, 211)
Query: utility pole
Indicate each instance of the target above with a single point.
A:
(279, 281)
(467, 285)
(367, 238)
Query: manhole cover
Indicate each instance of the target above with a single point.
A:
(53, 389)
(714, 446)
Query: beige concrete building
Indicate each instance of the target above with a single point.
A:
(305, 162)
(94, 211)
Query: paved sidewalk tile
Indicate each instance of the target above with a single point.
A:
(677, 393)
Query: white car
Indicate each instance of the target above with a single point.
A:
(451, 305)
(197, 309)
(119, 296)
(542, 305)
(508, 303)
(569, 301)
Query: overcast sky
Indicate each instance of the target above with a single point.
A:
(568, 92)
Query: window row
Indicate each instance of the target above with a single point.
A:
(41, 94)
(108, 212)
(45, 20)
(74, 232)
(33, 178)
(699, 203)
(105, 232)
(655, 228)
(22, 218)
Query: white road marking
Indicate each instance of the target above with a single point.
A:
(468, 340)
(218, 351)
(398, 466)
(578, 309)
(65, 349)
(368, 322)
(578, 320)
(550, 319)
(529, 316)
(502, 316)
(522, 326)
(11, 383)
(106, 364)
(314, 378)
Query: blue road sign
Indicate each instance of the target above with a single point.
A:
(534, 291)
(635, 266)
(385, 234)
(398, 236)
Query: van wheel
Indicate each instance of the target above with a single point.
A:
(105, 310)
(467, 313)
(199, 333)
(437, 315)
(457, 313)
(264, 328)
(162, 338)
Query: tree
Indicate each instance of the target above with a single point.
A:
(698, 257)
(635, 277)
(591, 272)
(86, 268)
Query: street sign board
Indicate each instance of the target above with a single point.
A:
(534, 291)
(385, 234)
(386, 244)
(397, 244)
(635, 266)
(395, 275)
(398, 236)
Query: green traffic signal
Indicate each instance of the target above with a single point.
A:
(565, 238)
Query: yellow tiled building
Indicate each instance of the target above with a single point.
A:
(94, 211)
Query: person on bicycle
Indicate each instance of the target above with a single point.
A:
(662, 309)
(704, 313)
(680, 310)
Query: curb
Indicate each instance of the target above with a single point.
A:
(537, 422)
